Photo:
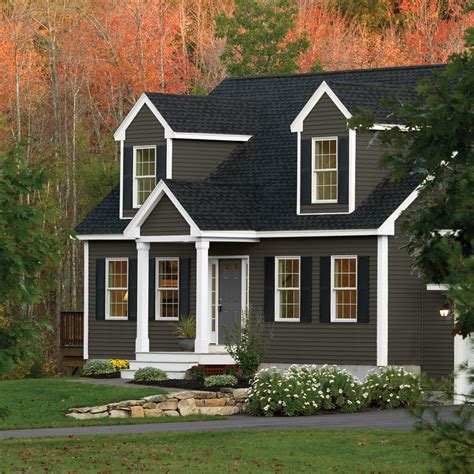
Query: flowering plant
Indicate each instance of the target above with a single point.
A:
(119, 364)
(393, 388)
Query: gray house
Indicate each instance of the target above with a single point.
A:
(260, 195)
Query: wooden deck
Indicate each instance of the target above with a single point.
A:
(72, 340)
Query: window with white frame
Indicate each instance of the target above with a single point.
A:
(117, 288)
(325, 170)
(144, 172)
(287, 288)
(168, 288)
(344, 289)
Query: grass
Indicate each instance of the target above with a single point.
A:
(235, 451)
(43, 403)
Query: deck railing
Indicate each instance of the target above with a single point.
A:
(72, 329)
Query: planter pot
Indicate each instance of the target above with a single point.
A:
(186, 344)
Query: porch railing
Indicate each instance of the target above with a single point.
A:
(72, 329)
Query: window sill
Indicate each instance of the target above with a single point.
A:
(287, 320)
(343, 321)
(111, 318)
(166, 319)
(331, 201)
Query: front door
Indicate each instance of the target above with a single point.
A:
(230, 296)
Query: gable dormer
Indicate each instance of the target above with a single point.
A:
(326, 156)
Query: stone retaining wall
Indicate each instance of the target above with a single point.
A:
(228, 402)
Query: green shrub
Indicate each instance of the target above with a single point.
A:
(98, 367)
(220, 380)
(150, 374)
(393, 388)
(305, 390)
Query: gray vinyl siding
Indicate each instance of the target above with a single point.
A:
(325, 120)
(196, 159)
(144, 130)
(162, 333)
(165, 220)
(369, 173)
(314, 342)
(417, 334)
(109, 339)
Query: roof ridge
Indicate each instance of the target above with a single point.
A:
(342, 71)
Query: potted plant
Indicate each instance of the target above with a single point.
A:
(186, 331)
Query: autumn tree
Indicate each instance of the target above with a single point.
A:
(257, 38)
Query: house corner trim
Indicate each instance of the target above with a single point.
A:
(382, 300)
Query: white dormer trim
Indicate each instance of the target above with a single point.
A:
(297, 124)
(120, 133)
(143, 100)
(132, 230)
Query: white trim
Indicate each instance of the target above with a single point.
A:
(202, 297)
(134, 174)
(388, 227)
(169, 158)
(298, 173)
(133, 228)
(120, 133)
(86, 237)
(382, 301)
(213, 335)
(436, 287)
(85, 354)
(352, 169)
(462, 386)
(121, 181)
(211, 136)
(142, 341)
(388, 126)
(297, 124)
(107, 289)
(158, 316)
(277, 291)
(314, 183)
(333, 289)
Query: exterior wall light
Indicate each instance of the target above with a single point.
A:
(445, 309)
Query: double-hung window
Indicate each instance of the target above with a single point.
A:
(324, 161)
(167, 288)
(344, 288)
(144, 173)
(117, 288)
(287, 298)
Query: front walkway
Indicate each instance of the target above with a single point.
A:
(383, 420)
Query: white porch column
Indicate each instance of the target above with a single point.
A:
(462, 387)
(86, 300)
(142, 343)
(202, 297)
(382, 300)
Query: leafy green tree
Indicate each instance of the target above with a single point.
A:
(27, 247)
(257, 41)
(437, 146)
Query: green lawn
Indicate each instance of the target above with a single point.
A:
(344, 451)
(41, 403)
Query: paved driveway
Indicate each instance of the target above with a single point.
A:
(384, 420)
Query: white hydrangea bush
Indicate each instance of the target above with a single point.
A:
(305, 390)
(393, 388)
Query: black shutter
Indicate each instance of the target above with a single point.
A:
(127, 177)
(306, 171)
(306, 287)
(99, 289)
(151, 289)
(184, 273)
(325, 289)
(160, 162)
(132, 289)
(269, 291)
(343, 170)
(363, 289)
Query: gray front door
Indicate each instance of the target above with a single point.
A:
(230, 296)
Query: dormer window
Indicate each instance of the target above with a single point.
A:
(144, 167)
(324, 172)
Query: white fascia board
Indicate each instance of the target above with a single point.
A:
(133, 228)
(119, 135)
(211, 235)
(388, 227)
(297, 124)
(86, 237)
(388, 126)
(436, 287)
(211, 136)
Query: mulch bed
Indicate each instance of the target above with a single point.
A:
(115, 375)
(190, 384)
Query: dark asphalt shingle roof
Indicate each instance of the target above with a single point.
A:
(255, 187)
